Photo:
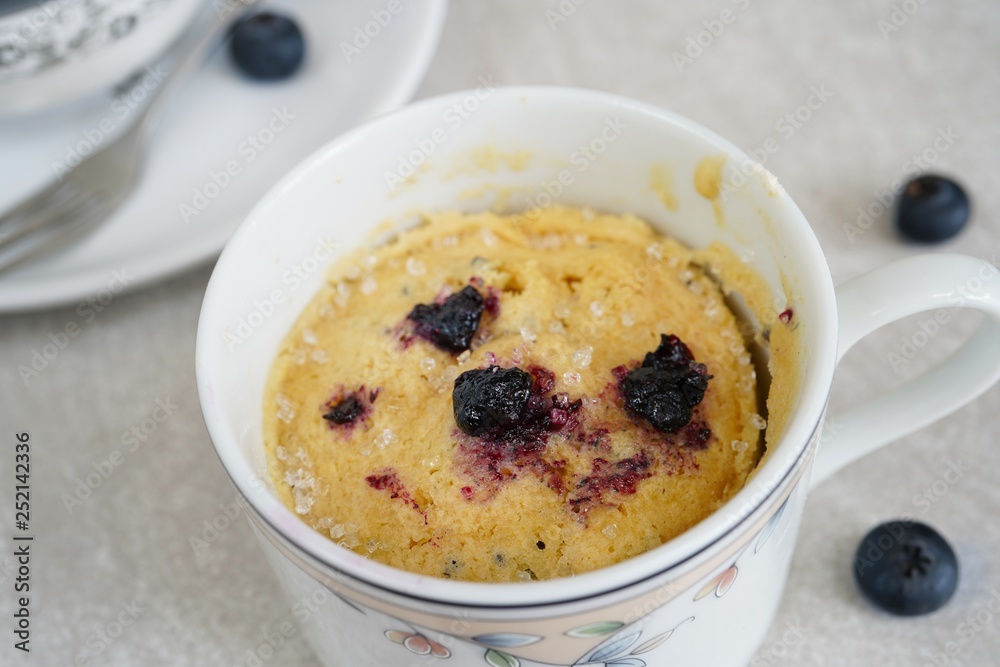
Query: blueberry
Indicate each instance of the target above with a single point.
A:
(671, 354)
(668, 386)
(452, 324)
(267, 46)
(906, 568)
(346, 410)
(932, 209)
(490, 400)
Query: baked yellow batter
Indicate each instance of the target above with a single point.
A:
(571, 295)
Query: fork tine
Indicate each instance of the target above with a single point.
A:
(62, 204)
(58, 232)
(38, 201)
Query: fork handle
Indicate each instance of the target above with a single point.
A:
(192, 49)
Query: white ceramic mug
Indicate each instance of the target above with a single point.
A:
(671, 605)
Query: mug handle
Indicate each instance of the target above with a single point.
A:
(902, 288)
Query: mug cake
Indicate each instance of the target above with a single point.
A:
(506, 398)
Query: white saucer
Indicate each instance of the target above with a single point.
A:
(207, 128)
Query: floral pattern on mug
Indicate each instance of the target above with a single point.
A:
(496, 658)
(720, 584)
(769, 528)
(619, 651)
(415, 642)
(595, 629)
(507, 639)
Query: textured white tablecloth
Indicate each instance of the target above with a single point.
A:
(888, 99)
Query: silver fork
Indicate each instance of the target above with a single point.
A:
(88, 194)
